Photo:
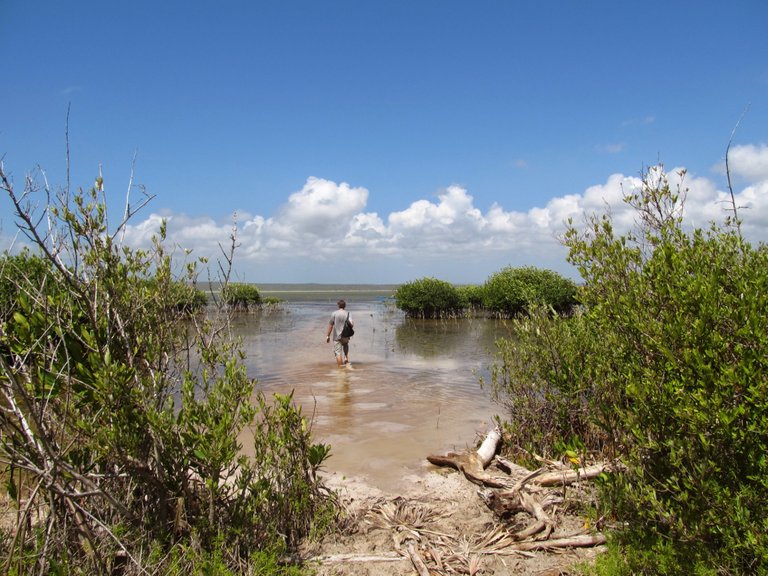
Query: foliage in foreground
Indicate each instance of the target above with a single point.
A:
(122, 413)
(19, 274)
(541, 379)
(667, 367)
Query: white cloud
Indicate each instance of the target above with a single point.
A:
(323, 233)
(749, 162)
(141, 234)
(322, 208)
(753, 210)
(452, 222)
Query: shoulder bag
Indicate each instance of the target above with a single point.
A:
(348, 331)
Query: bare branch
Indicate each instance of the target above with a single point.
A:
(66, 143)
(130, 212)
(736, 220)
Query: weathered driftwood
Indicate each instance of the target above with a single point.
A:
(518, 496)
(489, 446)
(416, 560)
(365, 558)
(510, 467)
(508, 503)
(577, 541)
(473, 464)
(570, 476)
(505, 504)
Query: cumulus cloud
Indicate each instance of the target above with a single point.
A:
(325, 225)
(319, 207)
(749, 162)
(450, 223)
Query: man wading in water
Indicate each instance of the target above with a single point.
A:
(335, 328)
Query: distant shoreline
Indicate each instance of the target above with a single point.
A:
(323, 293)
(314, 287)
(347, 290)
(327, 292)
(325, 288)
(312, 291)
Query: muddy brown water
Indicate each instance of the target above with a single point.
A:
(413, 388)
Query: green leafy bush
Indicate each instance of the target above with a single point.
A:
(471, 296)
(21, 273)
(184, 297)
(542, 377)
(511, 291)
(241, 296)
(687, 321)
(122, 415)
(668, 361)
(428, 298)
(188, 298)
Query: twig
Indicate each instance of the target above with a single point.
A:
(353, 558)
(579, 541)
(728, 174)
(416, 560)
(127, 212)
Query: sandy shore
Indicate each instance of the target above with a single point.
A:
(437, 516)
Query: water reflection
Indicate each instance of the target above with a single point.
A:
(412, 390)
(435, 338)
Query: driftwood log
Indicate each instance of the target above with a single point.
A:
(473, 464)
(528, 494)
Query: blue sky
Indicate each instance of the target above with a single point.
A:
(385, 141)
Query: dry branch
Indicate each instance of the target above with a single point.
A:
(519, 496)
(473, 464)
(354, 558)
(569, 476)
(577, 541)
(417, 561)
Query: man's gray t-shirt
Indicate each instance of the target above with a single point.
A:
(337, 319)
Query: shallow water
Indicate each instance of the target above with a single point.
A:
(413, 389)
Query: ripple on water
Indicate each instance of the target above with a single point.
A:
(389, 427)
(368, 406)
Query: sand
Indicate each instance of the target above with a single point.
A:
(436, 515)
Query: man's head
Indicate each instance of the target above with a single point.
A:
(341, 304)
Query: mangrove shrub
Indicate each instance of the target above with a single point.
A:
(511, 291)
(471, 296)
(541, 376)
(668, 362)
(241, 296)
(123, 415)
(20, 273)
(428, 298)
